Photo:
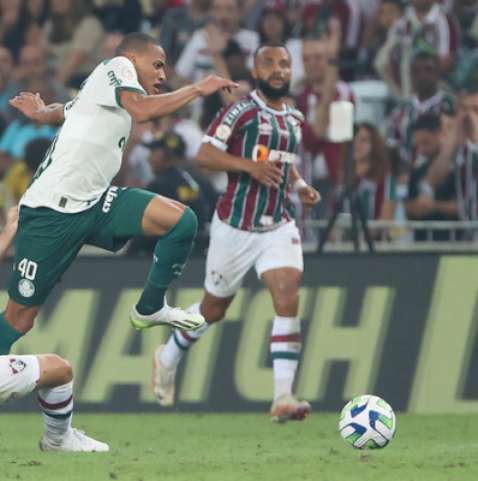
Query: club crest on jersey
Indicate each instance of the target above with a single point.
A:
(265, 128)
(16, 365)
(223, 132)
(26, 288)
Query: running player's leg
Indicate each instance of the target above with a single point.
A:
(53, 376)
(230, 255)
(47, 242)
(175, 225)
(280, 267)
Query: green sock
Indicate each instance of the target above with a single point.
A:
(170, 256)
(8, 335)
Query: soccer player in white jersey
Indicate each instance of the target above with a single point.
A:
(70, 201)
(255, 140)
(51, 375)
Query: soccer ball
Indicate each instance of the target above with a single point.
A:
(367, 422)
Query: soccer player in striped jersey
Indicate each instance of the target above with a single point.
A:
(51, 375)
(255, 141)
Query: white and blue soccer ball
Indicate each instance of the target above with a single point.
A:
(367, 422)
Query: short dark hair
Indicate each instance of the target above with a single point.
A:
(134, 42)
(270, 45)
(429, 121)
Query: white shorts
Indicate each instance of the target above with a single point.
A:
(18, 376)
(232, 252)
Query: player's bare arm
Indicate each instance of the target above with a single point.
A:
(143, 108)
(211, 158)
(307, 194)
(33, 107)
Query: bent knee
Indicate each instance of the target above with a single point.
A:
(59, 368)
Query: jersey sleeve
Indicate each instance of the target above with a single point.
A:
(227, 122)
(120, 74)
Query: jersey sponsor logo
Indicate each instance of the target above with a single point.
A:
(114, 80)
(111, 195)
(26, 288)
(223, 132)
(261, 153)
(16, 365)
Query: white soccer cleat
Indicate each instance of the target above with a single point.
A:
(74, 441)
(170, 316)
(163, 382)
(288, 408)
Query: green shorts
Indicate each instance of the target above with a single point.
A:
(47, 241)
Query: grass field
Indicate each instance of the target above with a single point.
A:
(241, 447)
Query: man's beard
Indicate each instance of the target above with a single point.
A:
(273, 93)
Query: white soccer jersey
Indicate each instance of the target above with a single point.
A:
(87, 152)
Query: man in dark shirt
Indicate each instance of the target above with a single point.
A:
(443, 205)
(173, 179)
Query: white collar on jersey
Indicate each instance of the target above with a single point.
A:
(264, 106)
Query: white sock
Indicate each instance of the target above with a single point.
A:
(57, 406)
(179, 342)
(285, 350)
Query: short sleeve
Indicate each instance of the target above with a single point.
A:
(119, 74)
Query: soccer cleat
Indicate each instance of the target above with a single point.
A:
(288, 408)
(170, 316)
(74, 441)
(164, 387)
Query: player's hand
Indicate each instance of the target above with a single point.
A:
(11, 224)
(213, 83)
(309, 196)
(425, 204)
(267, 173)
(28, 104)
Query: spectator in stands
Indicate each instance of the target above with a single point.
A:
(36, 12)
(33, 74)
(13, 24)
(178, 26)
(123, 16)
(424, 26)
(19, 133)
(428, 97)
(459, 153)
(315, 22)
(229, 63)
(19, 175)
(273, 27)
(322, 159)
(173, 180)
(376, 31)
(110, 43)
(73, 36)
(225, 15)
(466, 13)
(374, 182)
(8, 87)
(443, 205)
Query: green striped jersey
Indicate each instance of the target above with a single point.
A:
(249, 128)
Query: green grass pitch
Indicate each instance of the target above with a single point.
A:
(228, 447)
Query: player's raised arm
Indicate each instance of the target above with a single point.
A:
(143, 108)
(33, 107)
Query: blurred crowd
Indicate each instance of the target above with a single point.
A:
(409, 67)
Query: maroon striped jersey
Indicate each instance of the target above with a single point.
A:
(249, 128)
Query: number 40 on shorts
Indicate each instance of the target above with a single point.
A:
(28, 269)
